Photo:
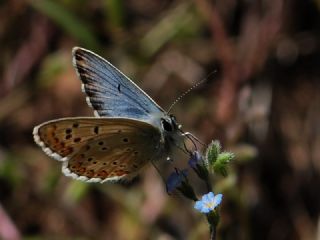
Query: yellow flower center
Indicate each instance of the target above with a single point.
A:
(209, 205)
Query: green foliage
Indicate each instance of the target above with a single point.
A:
(216, 160)
(212, 152)
(220, 165)
(115, 12)
(73, 25)
(76, 191)
(52, 66)
(179, 20)
(9, 171)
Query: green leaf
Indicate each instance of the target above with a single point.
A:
(220, 166)
(75, 191)
(212, 152)
(179, 19)
(66, 20)
(115, 12)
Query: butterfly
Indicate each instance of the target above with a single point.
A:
(129, 129)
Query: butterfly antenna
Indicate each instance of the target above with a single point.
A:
(192, 137)
(190, 89)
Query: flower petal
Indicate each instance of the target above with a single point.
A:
(210, 196)
(198, 205)
(208, 202)
(217, 200)
(175, 179)
(205, 210)
(194, 159)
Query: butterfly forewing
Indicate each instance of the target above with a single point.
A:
(110, 92)
(99, 149)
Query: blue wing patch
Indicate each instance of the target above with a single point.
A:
(109, 91)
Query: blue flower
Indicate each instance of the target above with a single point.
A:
(208, 202)
(178, 181)
(194, 159)
(198, 165)
(175, 180)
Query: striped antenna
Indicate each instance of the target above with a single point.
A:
(189, 90)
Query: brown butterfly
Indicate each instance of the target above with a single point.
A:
(128, 131)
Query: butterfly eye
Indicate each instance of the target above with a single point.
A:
(166, 125)
(173, 123)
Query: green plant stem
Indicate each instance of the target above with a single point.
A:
(213, 232)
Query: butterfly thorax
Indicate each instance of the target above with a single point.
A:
(171, 134)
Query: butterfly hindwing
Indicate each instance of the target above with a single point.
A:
(110, 159)
(109, 91)
(99, 149)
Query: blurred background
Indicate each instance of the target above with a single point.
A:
(262, 102)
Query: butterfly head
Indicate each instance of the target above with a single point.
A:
(170, 124)
(172, 133)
